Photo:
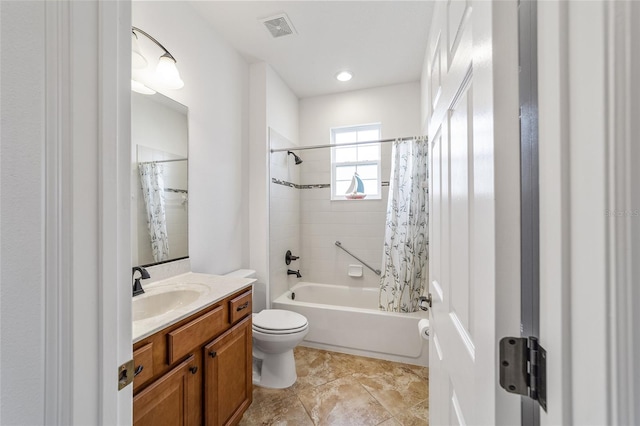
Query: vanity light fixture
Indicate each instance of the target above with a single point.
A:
(344, 76)
(138, 61)
(166, 75)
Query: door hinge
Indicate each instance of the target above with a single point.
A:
(523, 368)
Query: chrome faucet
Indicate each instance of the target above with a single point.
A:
(296, 273)
(137, 287)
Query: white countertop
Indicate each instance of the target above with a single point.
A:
(219, 287)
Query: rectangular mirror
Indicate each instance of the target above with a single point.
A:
(160, 193)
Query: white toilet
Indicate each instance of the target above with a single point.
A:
(275, 333)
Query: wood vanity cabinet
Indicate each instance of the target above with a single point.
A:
(227, 376)
(170, 400)
(197, 371)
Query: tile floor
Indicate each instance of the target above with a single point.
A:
(339, 389)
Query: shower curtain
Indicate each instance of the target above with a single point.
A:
(153, 194)
(406, 235)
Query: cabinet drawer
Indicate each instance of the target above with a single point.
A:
(143, 365)
(240, 307)
(185, 339)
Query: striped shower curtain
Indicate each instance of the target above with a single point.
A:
(406, 241)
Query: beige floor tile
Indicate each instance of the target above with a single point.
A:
(390, 422)
(261, 394)
(367, 365)
(340, 389)
(420, 371)
(396, 388)
(275, 407)
(316, 367)
(418, 415)
(342, 402)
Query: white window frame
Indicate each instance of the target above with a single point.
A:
(334, 164)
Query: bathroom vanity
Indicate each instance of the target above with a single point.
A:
(193, 364)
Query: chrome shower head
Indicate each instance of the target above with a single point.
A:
(298, 159)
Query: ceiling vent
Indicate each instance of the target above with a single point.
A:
(279, 25)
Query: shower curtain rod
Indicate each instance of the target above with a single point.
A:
(331, 145)
(163, 161)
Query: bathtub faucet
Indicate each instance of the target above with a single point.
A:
(296, 273)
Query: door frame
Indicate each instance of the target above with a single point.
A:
(87, 220)
(529, 187)
(587, 158)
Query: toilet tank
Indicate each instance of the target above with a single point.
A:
(259, 289)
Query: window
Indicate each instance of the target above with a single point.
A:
(361, 159)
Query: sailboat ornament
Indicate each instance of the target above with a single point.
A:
(356, 189)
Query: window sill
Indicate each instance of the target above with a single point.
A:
(367, 198)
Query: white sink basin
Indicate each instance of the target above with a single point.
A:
(163, 299)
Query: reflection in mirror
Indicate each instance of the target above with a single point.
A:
(159, 179)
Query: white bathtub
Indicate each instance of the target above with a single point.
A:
(347, 319)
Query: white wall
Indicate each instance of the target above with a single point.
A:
(258, 173)
(158, 124)
(273, 105)
(22, 203)
(216, 91)
(359, 225)
(282, 107)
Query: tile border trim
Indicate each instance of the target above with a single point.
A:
(312, 186)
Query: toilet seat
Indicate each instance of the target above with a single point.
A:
(279, 321)
(277, 332)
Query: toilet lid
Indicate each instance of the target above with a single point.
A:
(274, 320)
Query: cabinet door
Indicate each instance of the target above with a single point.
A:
(228, 381)
(170, 400)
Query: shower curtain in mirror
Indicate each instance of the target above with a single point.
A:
(406, 235)
(153, 193)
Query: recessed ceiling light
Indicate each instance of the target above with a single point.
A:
(344, 76)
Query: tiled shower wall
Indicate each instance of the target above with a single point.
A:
(303, 218)
(284, 216)
(358, 224)
(305, 221)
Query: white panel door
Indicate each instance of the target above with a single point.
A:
(467, 266)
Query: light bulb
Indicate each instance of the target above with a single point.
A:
(167, 73)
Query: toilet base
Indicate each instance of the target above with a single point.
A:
(276, 371)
